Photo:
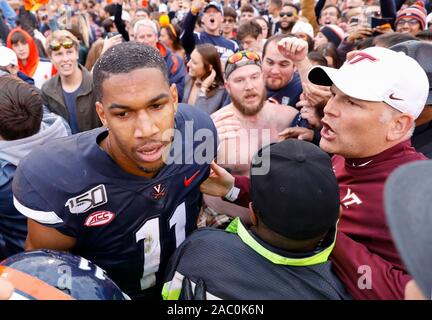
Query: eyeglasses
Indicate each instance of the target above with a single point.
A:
(55, 45)
(228, 21)
(411, 22)
(238, 56)
(288, 14)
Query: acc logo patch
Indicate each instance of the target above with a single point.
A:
(99, 218)
(89, 200)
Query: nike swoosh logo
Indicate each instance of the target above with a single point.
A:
(394, 98)
(362, 165)
(187, 182)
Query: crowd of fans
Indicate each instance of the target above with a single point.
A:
(336, 94)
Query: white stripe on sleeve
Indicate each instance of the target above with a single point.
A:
(45, 217)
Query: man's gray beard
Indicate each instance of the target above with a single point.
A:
(247, 111)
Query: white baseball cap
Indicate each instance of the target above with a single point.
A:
(163, 8)
(125, 16)
(380, 75)
(303, 27)
(7, 57)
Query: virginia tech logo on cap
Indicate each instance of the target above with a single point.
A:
(362, 56)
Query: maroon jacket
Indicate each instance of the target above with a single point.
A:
(364, 248)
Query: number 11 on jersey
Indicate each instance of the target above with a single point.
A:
(150, 234)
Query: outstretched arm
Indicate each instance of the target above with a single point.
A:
(221, 183)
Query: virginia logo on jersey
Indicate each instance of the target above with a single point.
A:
(158, 191)
(88, 200)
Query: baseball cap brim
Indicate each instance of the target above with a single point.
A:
(407, 205)
(213, 5)
(354, 87)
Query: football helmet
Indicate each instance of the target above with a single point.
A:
(54, 275)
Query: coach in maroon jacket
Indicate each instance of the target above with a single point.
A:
(367, 124)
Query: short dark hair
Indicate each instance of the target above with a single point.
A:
(18, 36)
(248, 28)
(110, 9)
(318, 58)
(329, 50)
(20, 109)
(424, 35)
(247, 8)
(124, 58)
(387, 40)
(107, 24)
(276, 38)
(230, 12)
(339, 13)
(292, 6)
(277, 3)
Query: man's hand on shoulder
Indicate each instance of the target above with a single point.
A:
(227, 124)
(219, 183)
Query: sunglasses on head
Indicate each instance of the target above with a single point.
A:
(283, 14)
(238, 56)
(55, 45)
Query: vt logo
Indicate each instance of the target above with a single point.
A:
(350, 198)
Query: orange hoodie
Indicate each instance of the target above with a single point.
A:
(32, 62)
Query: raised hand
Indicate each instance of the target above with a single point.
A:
(227, 125)
(293, 48)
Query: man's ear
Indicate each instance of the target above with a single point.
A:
(101, 113)
(400, 126)
(252, 214)
(227, 87)
(174, 96)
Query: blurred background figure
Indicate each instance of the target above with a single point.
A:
(204, 86)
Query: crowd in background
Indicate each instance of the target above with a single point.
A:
(210, 49)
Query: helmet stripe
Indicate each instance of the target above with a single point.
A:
(32, 286)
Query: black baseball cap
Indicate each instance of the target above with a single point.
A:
(299, 196)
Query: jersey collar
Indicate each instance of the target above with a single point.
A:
(237, 227)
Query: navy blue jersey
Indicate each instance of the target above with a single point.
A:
(289, 94)
(126, 224)
(190, 39)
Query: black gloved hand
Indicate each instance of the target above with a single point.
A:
(187, 292)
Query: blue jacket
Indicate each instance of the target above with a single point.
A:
(189, 38)
(176, 69)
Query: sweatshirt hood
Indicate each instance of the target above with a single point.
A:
(52, 127)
